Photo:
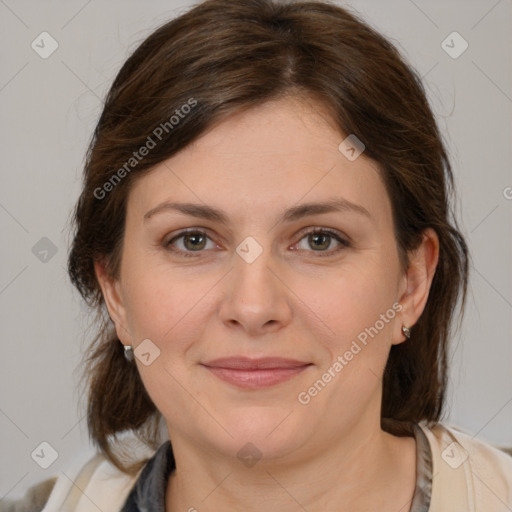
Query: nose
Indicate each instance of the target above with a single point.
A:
(256, 298)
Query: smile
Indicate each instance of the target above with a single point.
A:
(256, 378)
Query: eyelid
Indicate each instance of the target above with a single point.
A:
(343, 240)
(331, 231)
(201, 231)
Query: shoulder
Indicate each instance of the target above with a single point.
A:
(85, 484)
(467, 473)
(34, 499)
(97, 481)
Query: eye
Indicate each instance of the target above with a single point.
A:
(195, 240)
(321, 239)
(192, 241)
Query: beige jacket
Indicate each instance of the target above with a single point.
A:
(468, 476)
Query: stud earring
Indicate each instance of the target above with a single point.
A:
(406, 331)
(128, 353)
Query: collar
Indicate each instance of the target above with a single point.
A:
(148, 493)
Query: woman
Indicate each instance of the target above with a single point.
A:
(266, 218)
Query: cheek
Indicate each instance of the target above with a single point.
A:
(165, 306)
(351, 301)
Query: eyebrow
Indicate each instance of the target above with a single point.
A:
(294, 213)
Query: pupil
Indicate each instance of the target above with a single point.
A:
(317, 236)
(194, 244)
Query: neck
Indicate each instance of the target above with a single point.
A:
(365, 470)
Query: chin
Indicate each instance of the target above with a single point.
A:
(275, 431)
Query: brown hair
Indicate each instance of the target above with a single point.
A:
(230, 55)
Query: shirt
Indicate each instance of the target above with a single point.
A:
(148, 493)
(456, 472)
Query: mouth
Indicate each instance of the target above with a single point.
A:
(249, 373)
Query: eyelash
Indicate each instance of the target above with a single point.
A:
(325, 231)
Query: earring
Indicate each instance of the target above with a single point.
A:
(406, 331)
(128, 353)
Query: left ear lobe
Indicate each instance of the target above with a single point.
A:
(418, 280)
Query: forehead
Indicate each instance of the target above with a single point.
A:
(270, 157)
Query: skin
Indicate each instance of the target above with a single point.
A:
(300, 298)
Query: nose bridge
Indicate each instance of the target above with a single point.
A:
(252, 269)
(255, 296)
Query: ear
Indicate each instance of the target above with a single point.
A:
(416, 282)
(113, 296)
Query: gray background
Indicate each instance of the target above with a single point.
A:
(49, 109)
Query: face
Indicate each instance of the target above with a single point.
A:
(263, 276)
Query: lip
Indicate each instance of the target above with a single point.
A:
(255, 373)
(246, 363)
